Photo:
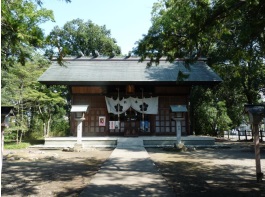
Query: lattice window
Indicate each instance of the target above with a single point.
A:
(163, 122)
(91, 123)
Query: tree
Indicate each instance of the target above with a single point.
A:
(229, 33)
(28, 96)
(175, 30)
(208, 112)
(20, 31)
(78, 38)
(22, 40)
(194, 28)
(17, 82)
(46, 103)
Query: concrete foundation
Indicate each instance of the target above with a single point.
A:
(154, 141)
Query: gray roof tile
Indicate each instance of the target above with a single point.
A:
(102, 71)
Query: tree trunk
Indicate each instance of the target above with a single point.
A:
(48, 126)
(44, 129)
(20, 137)
(17, 137)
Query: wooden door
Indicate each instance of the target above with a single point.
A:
(131, 128)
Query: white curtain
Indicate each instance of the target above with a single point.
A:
(117, 106)
(145, 105)
(142, 105)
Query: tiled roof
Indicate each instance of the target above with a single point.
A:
(100, 71)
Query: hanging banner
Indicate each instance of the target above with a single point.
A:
(144, 105)
(114, 124)
(117, 106)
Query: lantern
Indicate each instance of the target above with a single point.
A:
(79, 113)
(179, 115)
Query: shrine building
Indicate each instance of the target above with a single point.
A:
(126, 97)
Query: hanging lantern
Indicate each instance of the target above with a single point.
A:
(130, 89)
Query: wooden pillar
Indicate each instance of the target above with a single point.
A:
(257, 152)
(256, 113)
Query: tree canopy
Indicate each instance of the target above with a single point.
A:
(194, 28)
(20, 31)
(78, 38)
(229, 33)
(22, 63)
(34, 104)
(38, 107)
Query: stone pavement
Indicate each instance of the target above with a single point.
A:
(128, 172)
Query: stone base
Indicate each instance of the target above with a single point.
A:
(112, 141)
(180, 146)
(78, 147)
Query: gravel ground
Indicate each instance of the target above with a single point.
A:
(225, 171)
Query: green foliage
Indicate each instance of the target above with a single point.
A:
(9, 135)
(10, 144)
(176, 30)
(34, 103)
(191, 28)
(20, 31)
(60, 127)
(229, 33)
(37, 107)
(15, 145)
(208, 113)
(78, 38)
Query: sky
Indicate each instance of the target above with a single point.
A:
(127, 20)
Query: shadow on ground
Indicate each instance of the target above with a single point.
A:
(198, 173)
(65, 175)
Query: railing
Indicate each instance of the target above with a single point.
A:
(243, 135)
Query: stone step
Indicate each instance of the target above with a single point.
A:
(130, 142)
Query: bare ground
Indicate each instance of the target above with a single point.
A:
(45, 173)
(228, 171)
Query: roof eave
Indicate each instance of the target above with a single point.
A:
(99, 83)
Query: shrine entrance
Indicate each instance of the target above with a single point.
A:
(130, 123)
(131, 115)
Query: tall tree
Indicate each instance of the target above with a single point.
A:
(20, 31)
(28, 96)
(78, 38)
(194, 28)
(229, 33)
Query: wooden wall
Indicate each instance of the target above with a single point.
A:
(160, 124)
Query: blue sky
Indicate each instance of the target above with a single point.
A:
(128, 20)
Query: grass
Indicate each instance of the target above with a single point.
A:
(24, 144)
(14, 145)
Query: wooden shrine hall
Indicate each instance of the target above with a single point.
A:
(126, 97)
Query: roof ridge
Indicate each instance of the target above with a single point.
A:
(132, 58)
